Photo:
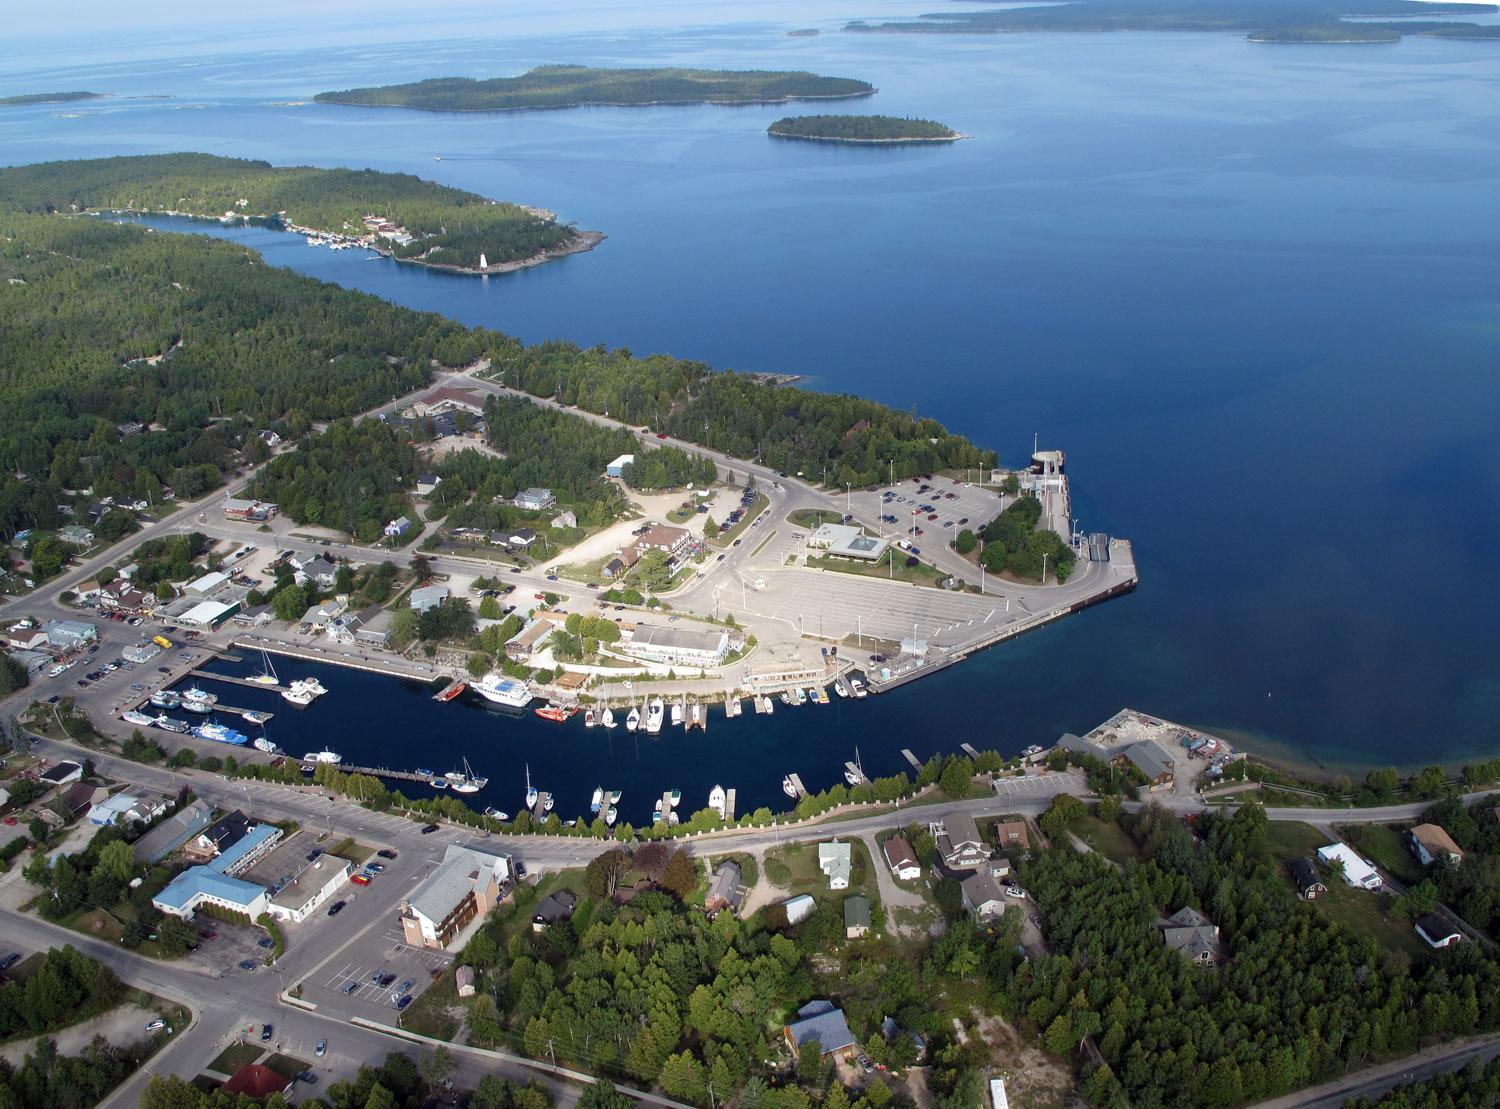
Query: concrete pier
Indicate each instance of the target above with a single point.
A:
(916, 763)
(968, 749)
(797, 785)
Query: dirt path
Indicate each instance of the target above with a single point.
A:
(763, 893)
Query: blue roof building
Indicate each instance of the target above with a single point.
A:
(821, 1021)
(199, 885)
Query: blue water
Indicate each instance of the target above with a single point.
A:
(1251, 290)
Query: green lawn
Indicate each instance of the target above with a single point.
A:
(1385, 846)
(1107, 838)
(920, 574)
(813, 517)
(287, 1066)
(235, 1056)
(1293, 840)
(428, 1015)
(794, 868)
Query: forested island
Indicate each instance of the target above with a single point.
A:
(47, 98)
(575, 86)
(396, 213)
(1262, 20)
(862, 129)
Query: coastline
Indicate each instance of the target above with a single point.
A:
(915, 140)
(748, 102)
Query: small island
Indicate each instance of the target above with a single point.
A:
(578, 86)
(862, 129)
(47, 98)
(396, 214)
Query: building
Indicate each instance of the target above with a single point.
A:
(846, 541)
(208, 614)
(728, 889)
(1356, 871)
(1305, 877)
(535, 500)
(208, 583)
(463, 981)
(1192, 935)
(998, 1100)
(256, 1081)
(959, 843)
(530, 639)
(321, 571)
(448, 399)
(983, 897)
(26, 639)
(1013, 835)
(123, 808)
(427, 484)
(617, 467)
(613, 568)
(61, 774)
(798, 908)
(663, 537)
(258, 841)
(223, 834)
(835, 861)
(521, 539)
(77, 798)
(856, 916)
(201, 885)
(141, 653)
(120, 596)
(270, 439)
(1431, 842)
(557, 908)
(1084, 748)
(679, 645)
(309, 888)
(1150, 760)
(172, 833)
(820, 1022)
(565, 519)
(397, 527)
(69, 635)
(1437, 930)
(902, 859)
(256, 511)
(257, 617)
(76, 534)
(468, 883)
(428, 596)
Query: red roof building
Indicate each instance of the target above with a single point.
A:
(257, 1080)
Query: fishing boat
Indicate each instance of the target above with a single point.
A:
(598, 800)
(554, 713)
(323, 756)
(588, 718)
(530, 791)
(717, 800)
(607, 718)
(854, 774)
(467, 782)
(676, 713)
(611, 814)
(253, 717)
(298, 694)
(787, 787)
(503, 691)
(858, 687)
(166, 699)
(197, 693)
(140, 719)
(654, 712)
(267, 674)
(192, 704)
(633, 719)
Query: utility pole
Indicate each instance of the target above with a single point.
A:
(1044, 569)
(848, 498)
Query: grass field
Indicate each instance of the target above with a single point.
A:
(813, 517)
(1107, 838)
(920, 574)
(1385, 846)
(235, 1056)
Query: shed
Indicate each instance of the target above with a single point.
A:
(463, 979)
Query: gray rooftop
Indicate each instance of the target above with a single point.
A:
(682, 639)
(1148, 758)
(828, 1027)
(454, 877)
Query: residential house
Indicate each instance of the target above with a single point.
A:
(172, 833)
(1013, 835)
(428, 596)
(270, 439)
(522, 539)
(1356, 871)
(79, 797)
(533, 636)
(834, 860)
(1305, 877)
(76, 534)
(257, 617)
(1437, 930)
(1431, 842)
(856, 916)
(320, 571)
(554, 909)
(959, 843)
(1192, 935)
(221, 835)
(728, 889)
(397, 527)
(427, 484)
(535, 500)
(123, 808)
(613, 569)
(565, 519)
(468, 883)
(820, 1022)
(982, 897)
(69, 635)
(902, 859)
(61, 774)
(26, 639)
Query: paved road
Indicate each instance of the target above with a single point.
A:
(1375, 1081)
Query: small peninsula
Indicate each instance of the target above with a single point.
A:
(576, 86)
(47, 98)
(862, 129)
(397, 214)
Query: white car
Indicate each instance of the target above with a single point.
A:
(1015, 891)
(156, 1026)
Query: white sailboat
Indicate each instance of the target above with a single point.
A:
(530, 791)
(633, 720)
(267, 675)
(853, 775)
(607, 718)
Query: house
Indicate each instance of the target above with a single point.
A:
(1431, 842)
(255, 511)
(397, 527)
(856, 916)
(61, 774)
(321, 571)
(1305, 877)
(835, 861)
(309, 888)
(1150, 760)
(890, 1029)
(27, 639)
(678, 645)
(983, 897)
(129, 428)
(902, 859)
(535, 500)
(820, 1022)
(662, 537)
(1013, 835)
(123, 808)
(270, 439)
(69, 635)
(1192, 935)
(172, 833)
(728, 889)
(76, 534)
(256, 617)
(78, 797)
(468, 883)
(1437, 930)
(427, 484)
(531, 637)
(555, 909)
(565, 519)
(428, 596)
(617, 467)
(1356, 871)
(223, 834)
(256, 1081)
(463, 981)
(613, 568)
(958, 841)
(798, 908)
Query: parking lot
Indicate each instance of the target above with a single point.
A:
(383, 970)
(1035, 786)
(955, 504)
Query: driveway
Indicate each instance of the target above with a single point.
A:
(893, 895)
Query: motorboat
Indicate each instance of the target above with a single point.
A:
(323, 756)
(676, 713)
(253, 717)
(438, 782)
(547, 802)
(218, 733)
(820, 695)
(261, 743)
(588, 718)
(598, 799)
(452, 690)
(787, 787)
(495, 814)
(801, 695)
(633, 719)
(530, 791)
(502, 690)
(192, 704)
(554, 713)
(674, 796)
(654, 712)
(1027, 752)
(466, 782)
(611, 814)
(717, 800)
(313, 686)
(197, 693)
(858, 687)
(139, 719)
(167, 724)
(607, 718)
(298, 694)
(786, 698)
(695, 716)
(166, 699)
(656, 814)
(614, 796)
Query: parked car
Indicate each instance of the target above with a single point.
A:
(336, 908)
(1015, 891)
(386, 853)
(321, 1049)
(360, 879)
(247, 964)
(406, 998)
(267, 943)
(350, 986)
(428, 829)
(265, 1032)
(10, 960)
(156, 1025)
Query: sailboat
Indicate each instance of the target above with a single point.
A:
(267, 675)
(607, 718)
(633, 720)
(465, 782)
(856, 772)
(530, 791)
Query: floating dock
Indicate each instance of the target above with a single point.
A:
(384, 772)
(149, 709)
(230, 679)
(968, 749)
(797, 785)
(909, 757)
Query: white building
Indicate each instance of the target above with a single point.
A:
(799, 908)
(428, 596)
(314, 884)
(845, 541)
(617, 467)
(679, 645)
(535, 500)
(834, 860)
(1357, 872)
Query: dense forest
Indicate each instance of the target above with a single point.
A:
(353, 477)
(1299, 998)
(105, 325)
(450, 227)
(68, 986)
(571, 86)
(862, 129)
(46, 98)
(668, 467)
(848, 438)
(1265, 20)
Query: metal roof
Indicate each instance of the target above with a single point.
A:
(829, 1028)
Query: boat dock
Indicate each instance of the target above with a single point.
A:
(851, 768)
(909, 757)
(797, 785)
(385, 772)
(732, 706)
(152, 710)
(230, 679)
(729, 805)
(968, 749)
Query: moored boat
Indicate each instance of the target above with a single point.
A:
(531, 794)
(676, 713)
(198, 693)
(192, 704)
(267, 674)
(501, 690)
(495, 814)
(633, 719)
(467, 781)
(253, 717)
(588, 717)
(323, 756)
(554, 713)
(298, 694)
(168, 724)
(717, 800)
(801, 695)
(858, 687)
(611, 814)
(598, 799)
(166, 699)
(140, 719)
(261, 743)
(614, 796)
(218, 733)
(787, 787)
(607, 718)
(654, 712)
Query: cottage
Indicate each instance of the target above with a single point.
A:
(1356, 871)
(428, 597)
(1437, 931)
(856, 916)
(320, 571)
(123, 808)
(521, 539)
(1190, 934)
(1012, 835)
(822, 1023)
(555, 909)
(1431, 842)
(397, 527)
(835, 861)
(982, 897)
(1305, 877)
(76, 535)
(270, 439)
(902, 859)
(728, 889)
(613, 568)
(959, 842)
(535, 500)
(427, 484)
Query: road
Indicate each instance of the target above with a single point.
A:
(1372, 1082)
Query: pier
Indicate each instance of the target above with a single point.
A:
(230, 679)
(968, 749)
(859, 774)
(797, 785)
(909, 757)
(729, 805)
(384, 772)
(149, 709)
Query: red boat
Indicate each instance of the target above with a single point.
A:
(452, 691)
(554, 713)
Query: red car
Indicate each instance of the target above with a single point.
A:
(933, 516)
(661, 434)
(360, 880)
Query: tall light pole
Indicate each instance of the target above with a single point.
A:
(1044, 569)
(848, 498)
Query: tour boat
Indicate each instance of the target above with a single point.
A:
(588, 718)
(787, 787)
(267, 675)
(607, 718)
(717, 800)
(1027, 752)
(598, 799)
(633, 719)
(218, 733)
(676, 713)
(503, 691)
(654, 712)
(140, 719)
(323, 756)
(554, 713)
(166, 699)
(530, 790)
(199, 694)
